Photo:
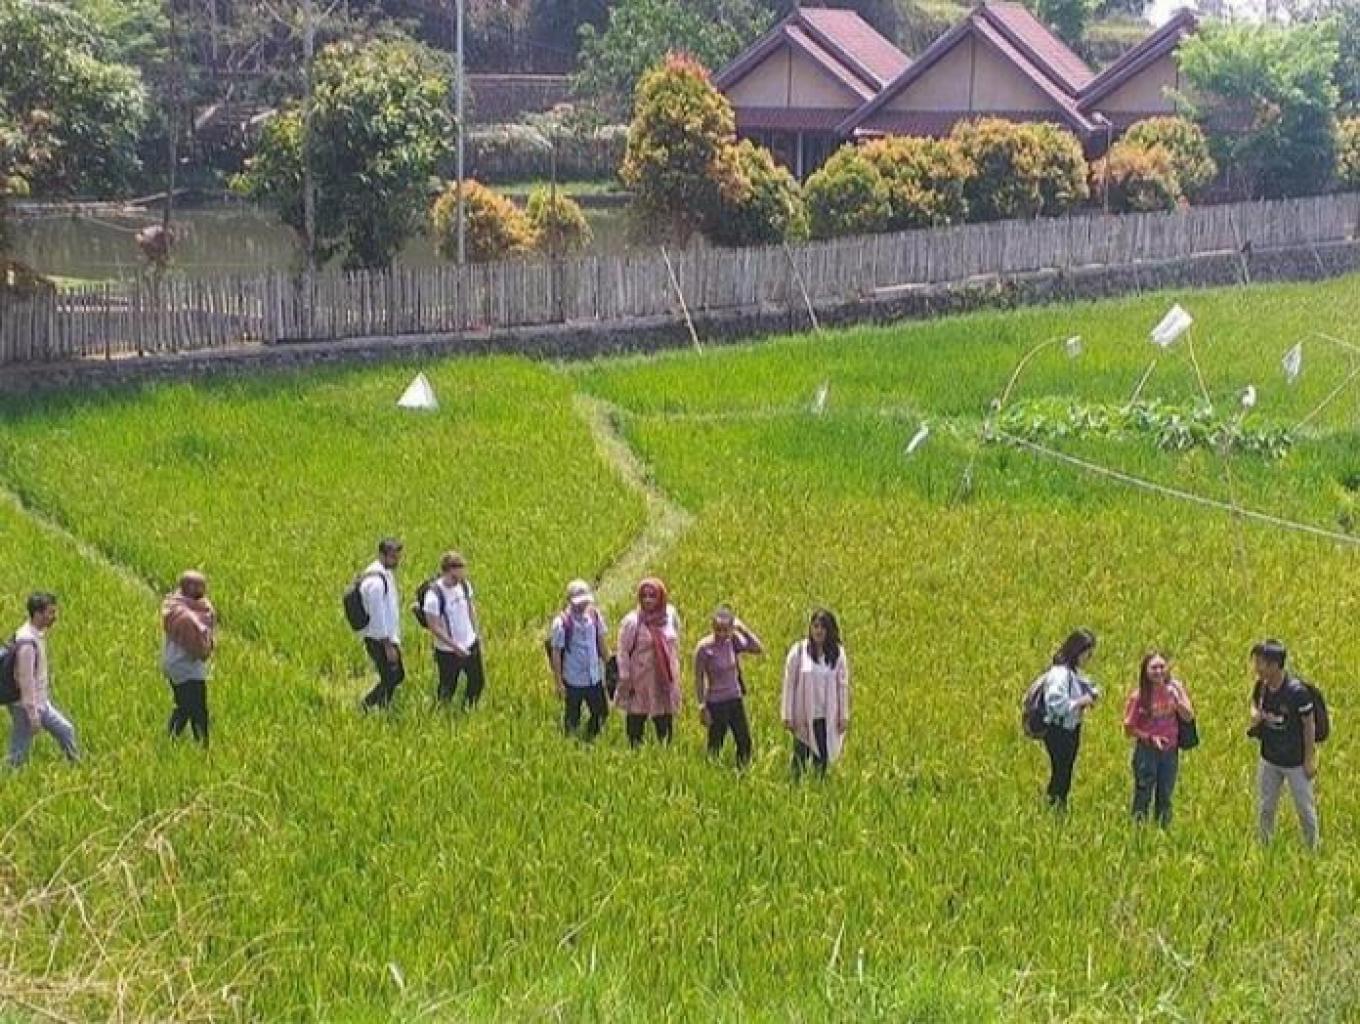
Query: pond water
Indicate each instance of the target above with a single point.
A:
(212, 241)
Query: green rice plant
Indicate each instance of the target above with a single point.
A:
(429, 865)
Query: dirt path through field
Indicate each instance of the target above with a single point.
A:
(666, 520)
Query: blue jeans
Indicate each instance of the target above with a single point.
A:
(1154, 776)
(50, 719)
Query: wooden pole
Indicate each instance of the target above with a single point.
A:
(807, 299)
(684, 306)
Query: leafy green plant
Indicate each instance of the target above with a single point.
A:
(1132, 177)
(1173, 428)
(1185, 144)
(760, 204)
(847, 196)
(557, 222)
(925, 180)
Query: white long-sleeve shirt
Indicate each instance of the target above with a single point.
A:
(382, 602)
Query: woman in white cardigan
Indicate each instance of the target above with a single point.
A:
(816, 701)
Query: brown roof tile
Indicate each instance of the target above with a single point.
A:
(857, 40)
(1045, 49)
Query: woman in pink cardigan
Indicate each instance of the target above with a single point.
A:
(816, 701)
(649, 664)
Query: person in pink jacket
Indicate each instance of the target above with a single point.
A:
(1152, 718)
(649, 664)
(816, 700)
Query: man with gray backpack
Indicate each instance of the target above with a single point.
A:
(1289, 718)
(25, 684)
(578, 652)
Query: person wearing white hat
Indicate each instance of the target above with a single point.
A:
(579, 650)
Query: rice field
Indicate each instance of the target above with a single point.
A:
(319, 865)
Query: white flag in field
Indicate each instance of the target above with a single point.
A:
(418, 394)
(1073, 346)
(918, 439)
(1249, 397)
(1176, 322)
(1293, 363)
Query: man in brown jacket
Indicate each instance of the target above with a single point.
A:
(190, 625)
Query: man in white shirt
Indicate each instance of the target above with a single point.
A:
(452, 618)
(382, 635)
(34, 709)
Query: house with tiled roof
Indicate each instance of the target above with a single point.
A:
(794, 86)
(823, 76)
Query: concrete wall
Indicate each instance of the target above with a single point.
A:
(571, 341)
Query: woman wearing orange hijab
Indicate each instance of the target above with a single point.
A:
(649, 663)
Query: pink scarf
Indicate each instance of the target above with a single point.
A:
(656, 623)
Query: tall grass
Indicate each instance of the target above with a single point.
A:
(320, 865)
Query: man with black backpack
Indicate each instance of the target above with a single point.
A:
(445, 607)
(578, 651)
(1286, 717)
(373, 608)
(25, 684)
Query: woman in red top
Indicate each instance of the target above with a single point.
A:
(1152, 718)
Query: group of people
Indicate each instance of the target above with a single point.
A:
(189, 627)
(1287, 719)
(642, 679)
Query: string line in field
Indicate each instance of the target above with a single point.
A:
(1181, 495)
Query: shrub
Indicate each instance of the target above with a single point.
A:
(523, 152)
(1062, 168)
(925, 179)
(1137, 178)
(761, 204)
(1187, 146)
(559, 226)
(847, 196)
(1348, 153)
(680, 129)
(494, 228)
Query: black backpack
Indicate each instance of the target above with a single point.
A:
(1034, 711)
(9, 683)
(418, 609)
(1322, 721)
(353, 601)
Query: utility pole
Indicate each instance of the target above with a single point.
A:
(458, 115)
(308, 183)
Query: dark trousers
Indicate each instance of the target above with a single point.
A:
(1154, 774)
(729, 716)
(453, 666)
(593, 698)
(801, 751)
(390, 675)
(191, 709)
(637, 723)
(1062, 747)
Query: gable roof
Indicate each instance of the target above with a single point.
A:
(990, 31)
(841, 42)
(856, 40)
(1045, 50)
(1152, 49)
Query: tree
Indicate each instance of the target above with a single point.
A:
(380, 126)
(1186, 145)
(641, 32)
(846, 196)
(558, 222)
(925, 179)
(83, 112)
(1068, 18)
(1062, 168)
(1273, 87)
(494, 228)
(677, 161)
(1347, 15)
(761, 205)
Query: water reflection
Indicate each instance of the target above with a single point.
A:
(212, 241)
